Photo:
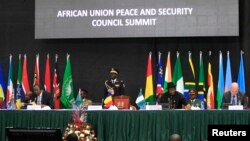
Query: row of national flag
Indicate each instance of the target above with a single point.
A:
(205, 95)
(14, 97)
(65, 98)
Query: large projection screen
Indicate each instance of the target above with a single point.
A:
(135, 18)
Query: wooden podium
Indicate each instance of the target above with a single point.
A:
(122, 102)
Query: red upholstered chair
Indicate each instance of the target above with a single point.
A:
(122, 101)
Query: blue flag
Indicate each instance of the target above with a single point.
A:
(241, 76)
(228, 79)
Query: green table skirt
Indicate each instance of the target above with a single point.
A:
(129, 125)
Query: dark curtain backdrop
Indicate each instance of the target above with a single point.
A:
(92, 58)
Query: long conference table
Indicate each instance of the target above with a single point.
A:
(129, 125)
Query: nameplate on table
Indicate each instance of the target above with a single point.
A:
(153, 107)
(95, 107)
(34, 107)
(235, 107)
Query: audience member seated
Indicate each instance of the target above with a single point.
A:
(72, 137)
(175, 137)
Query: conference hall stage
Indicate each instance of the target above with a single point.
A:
(213, 29)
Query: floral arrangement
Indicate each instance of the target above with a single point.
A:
(80, 127)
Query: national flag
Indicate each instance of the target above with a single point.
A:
(201, 83)
(1, 84)
(159, 88)
(56, 86)
(228, 79)
(19, 90)
(47, 83)
(149, 92)
(108, 101)
(36, 73)
(177, 77)
(241, 75)
(210, 82)
(168, 73)
(25, 79)
(140, 101)
(190, 77)
(220, 86)
(10, 96)
(67, 87)
(79, 98)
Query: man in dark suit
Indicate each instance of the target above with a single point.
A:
(42, 97)
(113, 85)
(173, 98)
(234, 97)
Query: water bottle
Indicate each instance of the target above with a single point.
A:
(202, 105)
(239, 103)
(74, 107)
